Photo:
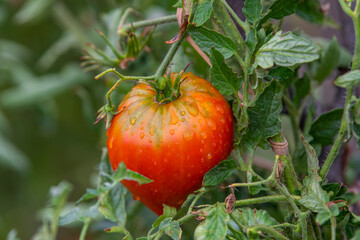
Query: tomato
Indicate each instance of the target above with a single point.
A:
(174, 144)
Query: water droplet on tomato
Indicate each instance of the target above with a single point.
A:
(214, 144)
(202, 160)
(222, 120)
(151, 130)
(182, 113)
(136, 198)
(182, 119)
(209, 156)
(212, 125)
(141, 128)
(192, 109)
(201, 150)
(155, 163)
(194, 125)
(133, 120)
(220, 109)
(142, 135)
(188, 135)
(180, 202)
(173, 118)
(203, 135)
(140, 151)
(172, 131)
(189, 175)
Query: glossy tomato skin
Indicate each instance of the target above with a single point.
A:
(173, 144)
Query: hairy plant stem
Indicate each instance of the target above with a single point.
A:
(269, 230)
(122, 29)
(291, 179)
(355, 15)
(244, 25)
(169, 56)
(301, 215)
(85, 228)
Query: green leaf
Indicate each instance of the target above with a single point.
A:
(336, 190)
(171, 228)
(285, 50)
(250, 217)
(33, 10)
(326, 126)
(281, 74)
(311, 11)
(207, 39)
(251, 40)
(312, 160)
(264, 117)
(203, 12)
(168, 212)
(349, 80)
(322, 217)
(72, 216)
(329, 60)
(252, 10)
(122, 173)
(90, 193)
(215, 225)
(112, 204)
(12, 157)
(313, 196)
(302, 88)
(219, 173)
(222, 76)
(47, 87)
(279, 9)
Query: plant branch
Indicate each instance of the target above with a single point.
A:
(85, 228)
(245, 26)
(269, 230)
(123, 28)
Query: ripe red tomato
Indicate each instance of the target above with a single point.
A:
(173, 144)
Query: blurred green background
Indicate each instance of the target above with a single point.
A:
(48, 102)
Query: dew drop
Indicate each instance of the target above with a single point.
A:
(141, 128)
(182, 119)
(212, 125)
(132, 134)
(214, 144)
(142, 135)
(188, 135)
(136, 198)
(209, 156)
(220, 109)
(155, 190)
(189, 175)
(192, 109)
(151, 130)
(155, 163)
(222, 120)
(133, 120)
(203, 135)
(172, 131)
(180, 202)
(140, 151)
(202, 160)
(201, 150)
(194, 125)
(173, 118)
(182, 113)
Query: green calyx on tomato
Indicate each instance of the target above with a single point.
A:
(174, 143)
(168, 88)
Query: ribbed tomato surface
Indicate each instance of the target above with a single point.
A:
(173, 144)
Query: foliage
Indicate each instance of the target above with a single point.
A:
(260, 76)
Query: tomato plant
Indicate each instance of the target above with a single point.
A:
(169, 139)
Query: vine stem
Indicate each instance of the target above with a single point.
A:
(243, 25)
(269, 230)
(123, 28)
(270, 178)
(169, 56)
(355, 65)
(85, 228)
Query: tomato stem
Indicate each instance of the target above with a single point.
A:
(123, 29)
